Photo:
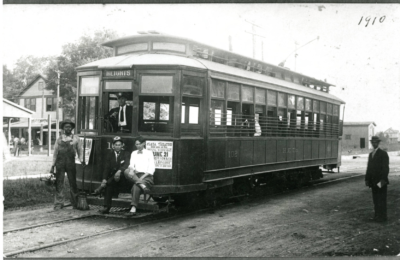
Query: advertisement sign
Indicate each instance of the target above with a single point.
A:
(162, 152)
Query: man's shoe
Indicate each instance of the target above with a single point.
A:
(104, 210)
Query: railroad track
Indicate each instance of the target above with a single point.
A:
(143, 221)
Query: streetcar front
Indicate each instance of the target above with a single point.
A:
(163, 99)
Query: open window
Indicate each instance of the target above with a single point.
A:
(119, 107)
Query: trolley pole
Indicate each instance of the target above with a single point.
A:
(253, 33)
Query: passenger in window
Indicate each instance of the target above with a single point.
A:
(117, 161)
(121, 116)
(140, 172)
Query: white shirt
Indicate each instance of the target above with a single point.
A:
(122, 123)
(374, 151)
(143, 162)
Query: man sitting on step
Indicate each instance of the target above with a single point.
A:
(117, 161)
(140, 172)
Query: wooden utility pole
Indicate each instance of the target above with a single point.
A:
(29, 136)
(49, 135)
(57, 102)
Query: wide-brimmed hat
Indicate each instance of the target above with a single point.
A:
(117, 139)
(67, 121)
(375, 139)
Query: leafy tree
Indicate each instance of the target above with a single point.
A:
(87, 49)
(384, 137)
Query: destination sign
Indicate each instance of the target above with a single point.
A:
(118, 73)
(162, 152)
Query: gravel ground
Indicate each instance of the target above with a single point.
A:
(316, 221)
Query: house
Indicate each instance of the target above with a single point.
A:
(42, 102)
(392, 135)
(356, 135)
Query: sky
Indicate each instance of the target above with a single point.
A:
(334, 41)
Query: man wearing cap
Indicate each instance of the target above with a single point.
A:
(121, 116)
(117, 161)
(140, 172)
(66, 148)
(377, 179)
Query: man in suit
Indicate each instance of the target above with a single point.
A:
(377, 179)
(121, 116)
(117, 161)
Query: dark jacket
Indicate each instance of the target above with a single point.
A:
(112, 165)
(114, 120)
(378, 168)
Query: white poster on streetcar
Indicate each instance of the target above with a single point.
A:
(162, 152)
(88, 149)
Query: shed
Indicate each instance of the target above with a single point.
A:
(356, 135)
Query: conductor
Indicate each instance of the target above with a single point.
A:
(121, 116)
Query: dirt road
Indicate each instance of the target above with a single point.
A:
(325, 220)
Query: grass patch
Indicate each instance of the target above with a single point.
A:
(25, 167)
(28, 192)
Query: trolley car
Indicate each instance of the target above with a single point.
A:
(215, 120)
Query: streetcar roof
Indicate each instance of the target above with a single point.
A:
(142, 59)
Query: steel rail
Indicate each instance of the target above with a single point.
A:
(47, 223)
(31, 249)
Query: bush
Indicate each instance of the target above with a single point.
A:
(28, 192)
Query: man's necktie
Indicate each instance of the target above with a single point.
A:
(116, 156)
(121, 115)
(373, 153)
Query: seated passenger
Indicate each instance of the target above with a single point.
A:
(117, 161)
(140, 172)
(121, 116)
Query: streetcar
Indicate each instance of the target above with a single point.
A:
(214, 120)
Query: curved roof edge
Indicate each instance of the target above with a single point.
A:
(129, 39)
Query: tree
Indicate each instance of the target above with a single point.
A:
(384, 138)
(87, 49)
(25, 70)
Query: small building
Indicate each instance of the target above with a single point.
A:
(356, 135)
(42, 102)
(392, 135)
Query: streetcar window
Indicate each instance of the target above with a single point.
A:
(247, 94)
(298, 119)
(88, 112)
(155, 113)
(329, 109)
(308, 104)
(307, 121)
(190, 110)
(233, 91)
(143, 46)
(316, 106)
(149, 110)
(271, 95)
(218, 89)
(217, 108)
(323, 107)
(300, 103)
(282, 99)
(160, 84)
(282, 121)
(272, 122)
(118, 85)
(291, 103)
(260, 120)
(260, 96)
(90, 85)
(193, 85)
(118, 117)
(169, 46)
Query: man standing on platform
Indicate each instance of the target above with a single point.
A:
(65, 149)
(140, 172)
(377, 179)
(121, 116)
